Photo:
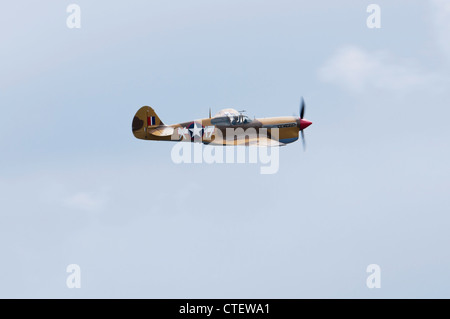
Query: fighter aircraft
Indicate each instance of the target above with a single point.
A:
(227, 127)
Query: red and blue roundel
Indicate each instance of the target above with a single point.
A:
(196, 130)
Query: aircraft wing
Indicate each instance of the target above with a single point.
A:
(251, 141)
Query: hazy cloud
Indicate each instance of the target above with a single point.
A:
(86, 201)
(356, 69)
(441, 23)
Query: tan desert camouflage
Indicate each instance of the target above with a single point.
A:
(227, 127)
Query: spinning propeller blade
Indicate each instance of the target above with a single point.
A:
(302, 124)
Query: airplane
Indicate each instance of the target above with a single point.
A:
(227, 127)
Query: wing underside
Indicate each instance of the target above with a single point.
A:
(249, 141)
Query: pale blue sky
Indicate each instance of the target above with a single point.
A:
(77, 187)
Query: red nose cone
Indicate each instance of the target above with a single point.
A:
(304, 124)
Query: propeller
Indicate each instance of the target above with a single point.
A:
(303, 140)
(302, 124)
(302, 108)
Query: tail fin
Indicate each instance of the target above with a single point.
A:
(144, 120)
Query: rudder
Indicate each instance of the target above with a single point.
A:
(144, 119)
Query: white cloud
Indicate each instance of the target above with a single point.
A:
(85, 201)
(441, 24)
(356, 69)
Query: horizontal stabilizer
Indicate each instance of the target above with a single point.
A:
(162, 131)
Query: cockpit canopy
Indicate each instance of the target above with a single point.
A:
(228, 117)
(240, 119)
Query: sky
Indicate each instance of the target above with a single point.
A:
(76, 187)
